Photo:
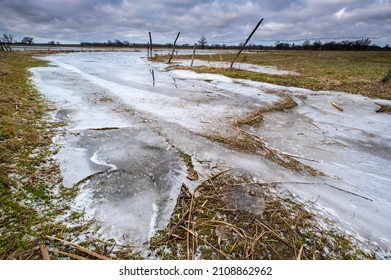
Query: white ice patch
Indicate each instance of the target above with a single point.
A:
(74, 165)
(152, 225)
(96, 159)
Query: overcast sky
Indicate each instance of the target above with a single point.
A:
(229, 22)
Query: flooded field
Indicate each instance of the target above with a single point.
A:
(132, 124)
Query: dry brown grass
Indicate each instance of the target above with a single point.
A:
(239, 139)
(204, 226)
(384, 108)
(256, 117)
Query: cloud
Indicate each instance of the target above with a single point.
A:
(220, 21)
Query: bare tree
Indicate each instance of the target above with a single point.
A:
(28, 40)
(202, 42)
(7, 38)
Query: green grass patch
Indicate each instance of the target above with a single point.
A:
(31, 194)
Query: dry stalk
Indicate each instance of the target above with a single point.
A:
(44, 251)
(80, 248)
(338, 106)
(73, 256)
(384, 108)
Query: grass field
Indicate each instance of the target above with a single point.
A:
(31, 194)
(353, 72)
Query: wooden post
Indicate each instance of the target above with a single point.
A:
(148, 49)
(152, 72)
(244, 45)
(387, 77)
(173, 48)
(5, 47)
(192, 59)
(150, 44)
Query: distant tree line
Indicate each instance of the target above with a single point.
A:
(357, 45)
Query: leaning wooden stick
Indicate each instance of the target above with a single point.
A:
(244, 45)
(173, 48)
(89, 252)
(192, 59)
(387, 77)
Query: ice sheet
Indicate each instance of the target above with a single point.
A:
(122, 109)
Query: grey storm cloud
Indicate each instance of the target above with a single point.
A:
(220, 21)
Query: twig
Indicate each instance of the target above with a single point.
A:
(188, 228)
(314, 125)
(352, 193)
(73, 256)
(189, 222)
(80, 248)
(339, 107)
(300, 252)
(278, 183)
(174, 228)
(44, 251)
(299, 157)
(211, 178)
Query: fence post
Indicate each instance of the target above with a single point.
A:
(244, 45)
(192, 59)
(5, 47)
(150, 44)
(173, 48)
(387, 77)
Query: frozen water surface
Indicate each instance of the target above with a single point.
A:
(129, 121)
(242, 66)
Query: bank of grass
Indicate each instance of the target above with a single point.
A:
(31, 193)
(35, 208)
(204, 226)
(353, 72)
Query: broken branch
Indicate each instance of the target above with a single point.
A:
(339, 107)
